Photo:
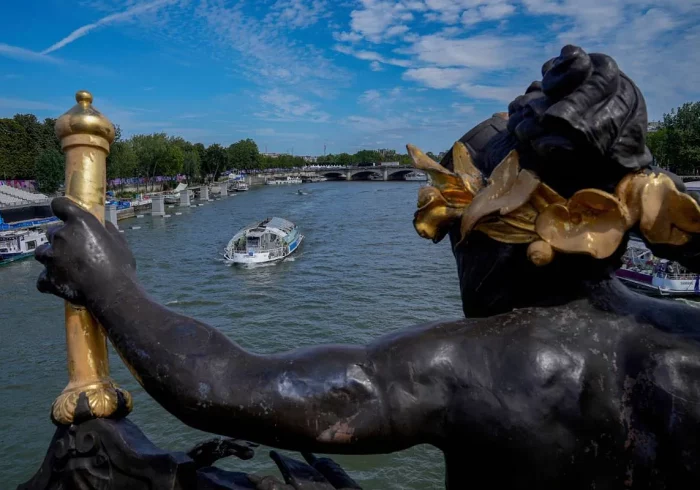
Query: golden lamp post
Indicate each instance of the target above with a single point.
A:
(85, 136)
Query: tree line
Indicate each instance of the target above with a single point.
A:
(30, 150)
(675, 145)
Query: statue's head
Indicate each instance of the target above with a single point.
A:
(538, 203)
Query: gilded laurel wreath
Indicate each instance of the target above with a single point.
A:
(514, 206)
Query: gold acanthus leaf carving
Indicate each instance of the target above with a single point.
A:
(103, 401)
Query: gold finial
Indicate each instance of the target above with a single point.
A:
(83, 96)
(85, 136)
(84, 119)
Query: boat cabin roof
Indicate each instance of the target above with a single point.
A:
(15, 233)
(278, 226)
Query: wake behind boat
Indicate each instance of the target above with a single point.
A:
(268, 241)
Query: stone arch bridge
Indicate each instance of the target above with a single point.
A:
(365, 173)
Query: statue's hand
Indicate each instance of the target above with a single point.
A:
(82, 256)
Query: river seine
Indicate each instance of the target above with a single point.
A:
(361, 272)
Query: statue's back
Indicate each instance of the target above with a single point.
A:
(575, 397)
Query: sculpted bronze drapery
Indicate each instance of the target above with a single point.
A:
(558, 377)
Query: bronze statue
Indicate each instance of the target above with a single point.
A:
(558, 377)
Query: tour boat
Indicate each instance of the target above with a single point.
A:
(268, 241)
(19, 244)
(288, 180)
(238, 186)
(416, 176)
(653, 276)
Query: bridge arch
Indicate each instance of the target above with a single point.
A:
(365, 174)
(334, 175)
(399, 174)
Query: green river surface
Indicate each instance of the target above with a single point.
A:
(361, 272)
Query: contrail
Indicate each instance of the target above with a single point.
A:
(110, 19)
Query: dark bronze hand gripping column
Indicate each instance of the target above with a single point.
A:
(95, 446)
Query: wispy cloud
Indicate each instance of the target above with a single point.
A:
(28, 105)
(282, 106)
(128, 14)
(372, 56)
(297, 14)
(26, 54)
(439, 78)
(296, 61)
(191, 116)
(270, 55)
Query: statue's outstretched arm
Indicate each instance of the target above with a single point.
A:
(323, 399)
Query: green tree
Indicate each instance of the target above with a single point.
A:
(50, 171)
(367, 156)
(344, 159)
(49, 140)
(17, 152)
(656, 141)
(172, 160)
(156, 155)
(201, 150)
(215, 161)
(191, 164)
(682, 140)
(122, 161)
(244, 155)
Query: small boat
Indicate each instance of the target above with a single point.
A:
(416, 177)
(288, 180)
(174, 196)
(268, 241)
(644, 272)
(238, 186)
(19, 244)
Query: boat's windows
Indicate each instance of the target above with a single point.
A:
(31, 245)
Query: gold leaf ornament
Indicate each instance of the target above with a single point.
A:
(515, 207)
(668, 216)
(442, 204)
(592, 222)
(507, 190)
(434, 216)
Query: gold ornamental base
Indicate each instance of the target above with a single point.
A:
(86, 341)
(104, 399)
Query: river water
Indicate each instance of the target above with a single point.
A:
(361, 272)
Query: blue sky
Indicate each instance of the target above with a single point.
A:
(347, 74)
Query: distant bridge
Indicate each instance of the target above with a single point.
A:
(345, 173)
